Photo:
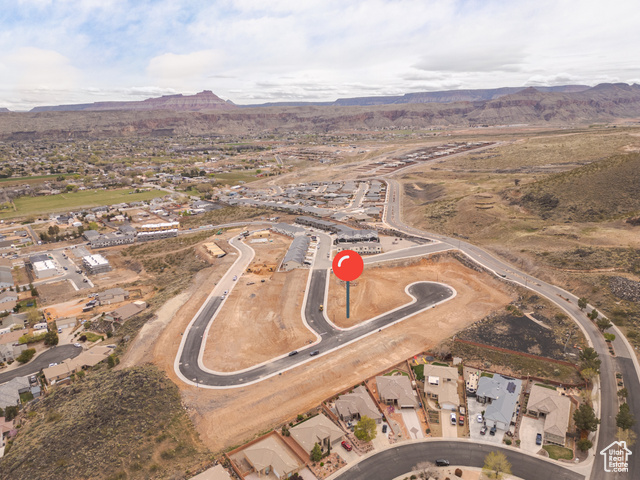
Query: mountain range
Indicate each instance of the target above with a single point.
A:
(207, 100)
(602, 103)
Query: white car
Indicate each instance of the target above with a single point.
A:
(480, 419)
(77, 345)
(235, 277)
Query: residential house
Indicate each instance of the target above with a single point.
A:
(363, 248)
(8, 297)
(127, 311)
(215, 473)
(502, 394)
(86, 359)
(318, 429)
(295, 256)
(113, 295)
(6, 277)
(351, 407)
(555, 409)
(396, 390)
(9, 348)
(271, 456)
(441, 385)
(10, 391)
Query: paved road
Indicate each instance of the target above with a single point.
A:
(400, 460)
(189, 364)
(53, 355)
(568, 302)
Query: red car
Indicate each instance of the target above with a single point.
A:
(461, 420)
(346, 446)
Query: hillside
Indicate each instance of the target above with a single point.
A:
(602, 190)
(111, 425)
(205, 100)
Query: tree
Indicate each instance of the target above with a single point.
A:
(316, 453)
(582, 303)
(588, 374)
(625, 419)
(589, 359)
(585, 418)
(33, 316)
(603, 323)
(593, 315)
(26, 355)
(111, 361)
(623, 392)
(10, 412)
(496, 465)
(51, 338)
(584, 444)
(365, 429)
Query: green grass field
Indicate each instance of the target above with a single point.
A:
(556, 452)
(26, 206)
(234, 178)
(32, 179)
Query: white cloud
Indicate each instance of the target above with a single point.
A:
(171, 67)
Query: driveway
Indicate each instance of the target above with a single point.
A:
(448, 430)
(412, 422)
(475, 408)
(382, 439)
(529, 427)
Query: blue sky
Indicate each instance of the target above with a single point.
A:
(252, 51)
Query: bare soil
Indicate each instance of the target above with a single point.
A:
(268, 311)
(229, 417)
(380, 289)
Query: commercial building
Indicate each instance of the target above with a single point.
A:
(215, 250)
(159, 227)
(286, 229)
(44, 269)
(158, 235)
(295, 256)
(96, 264)
(111, 239)
(363, 248)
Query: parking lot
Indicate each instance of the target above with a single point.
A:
(476, 409)
(529, 427)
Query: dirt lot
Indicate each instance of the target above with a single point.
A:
(258, 322)
(269, 311)
(221, 416)
(380, 289)
(55, 292)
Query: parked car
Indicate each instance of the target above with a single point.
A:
(483, 430)
(346, 446)
(65, 268)
(461, 420)
(291, 354)
(52, 364)
(453, 419)
(539, 439)
(441, 462)
(493, 430)
(235, 277)
(480, 419)
(77, 345)
(384, 428)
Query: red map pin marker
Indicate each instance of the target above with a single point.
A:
(348, 265)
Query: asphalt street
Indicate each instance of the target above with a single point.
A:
(427, 294)
(400, 460)
(54, 355)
